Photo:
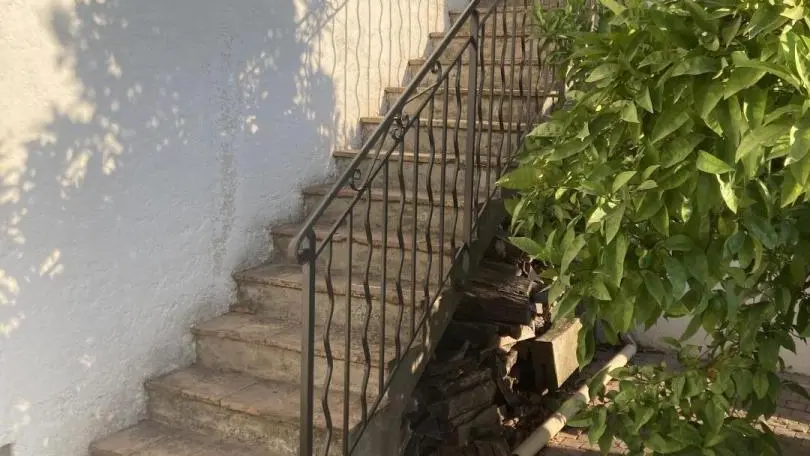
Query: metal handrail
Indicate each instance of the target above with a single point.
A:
(477, 186)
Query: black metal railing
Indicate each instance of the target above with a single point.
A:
(391, 233)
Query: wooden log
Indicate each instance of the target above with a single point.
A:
(471, 399)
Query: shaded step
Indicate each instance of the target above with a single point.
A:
(528, 76)
(397, 260)
(450, 138)
(149, 438)
(271, 349)
(498, 105)
(511, 11)
(426, 169)
(523, 45)
(420, 214)
(241, 408)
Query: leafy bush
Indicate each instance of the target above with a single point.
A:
(675, 184)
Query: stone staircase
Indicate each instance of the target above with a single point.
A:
(242, 394)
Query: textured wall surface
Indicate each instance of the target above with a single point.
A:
(144, 148)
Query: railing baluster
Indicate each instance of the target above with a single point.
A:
(307, 259)
(384, 284)
(415, 216)
(348, 336)
(472, 96)
(327, 347)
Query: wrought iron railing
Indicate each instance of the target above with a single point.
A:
(380, 248)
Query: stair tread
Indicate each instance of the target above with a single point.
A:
(424, 158)
(289, 276)
(323, 228)
(286, 335)
(484, 92)
(149, 438)
(378, 194)
(242, 393)
(420, 61)
(462, 124)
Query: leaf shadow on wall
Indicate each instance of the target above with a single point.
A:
(192, 125)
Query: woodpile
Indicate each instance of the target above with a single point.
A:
(479, 387)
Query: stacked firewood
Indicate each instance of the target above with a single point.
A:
(480, 384)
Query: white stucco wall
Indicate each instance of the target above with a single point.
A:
(798, 362)
(144, 147)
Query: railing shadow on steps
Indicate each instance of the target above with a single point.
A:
(456, 126)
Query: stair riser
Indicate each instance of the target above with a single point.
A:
(530, 77)
(499, 107)
(392, 258)
(499, 140)
(273, 363)
(505, 46)
(377, 215)
(278, 436)
(423, 172)
(285, 304)
(517, 20)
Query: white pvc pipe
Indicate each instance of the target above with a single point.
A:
(556, 422)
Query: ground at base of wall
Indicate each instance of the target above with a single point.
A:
(791, 424)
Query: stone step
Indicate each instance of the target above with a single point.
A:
(498, 105)
(241, 408)
(504, 74)
(270, 349)
(425, 218)
(513, 12)
(426, 170)
(450, 138)
(522, 46)
(391, 261)
(149, 438)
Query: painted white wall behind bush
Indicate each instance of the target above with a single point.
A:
(144, 148)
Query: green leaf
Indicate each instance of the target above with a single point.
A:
(598, 425)
(742, 61)
(629, 113)
(599, 290)
(660, 444)
(695, 66)
(586, 346)
(647, 185)
(728, 194)
(614, 6)
(550, 129)
(755, 101)
(791, 190)
(760, 137)
(679, 242)
(762, 230)
(621, 179)
(528, 245)
(660, 221)
(708, 163)
(698, 266)
(520, 179)
(615, 254)
(760, 383)
(671, 120)
(567, 306)
(566, 150)
(701, 17)
(730, 31)
(709, 98)
(613, 223)
(679, 149)
(604, 71)
(742, 78)
(655, 286)
(643, 100)
(650, 205)
(676, 274)
(571, 253)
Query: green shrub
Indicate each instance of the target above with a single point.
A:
(675, 184)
